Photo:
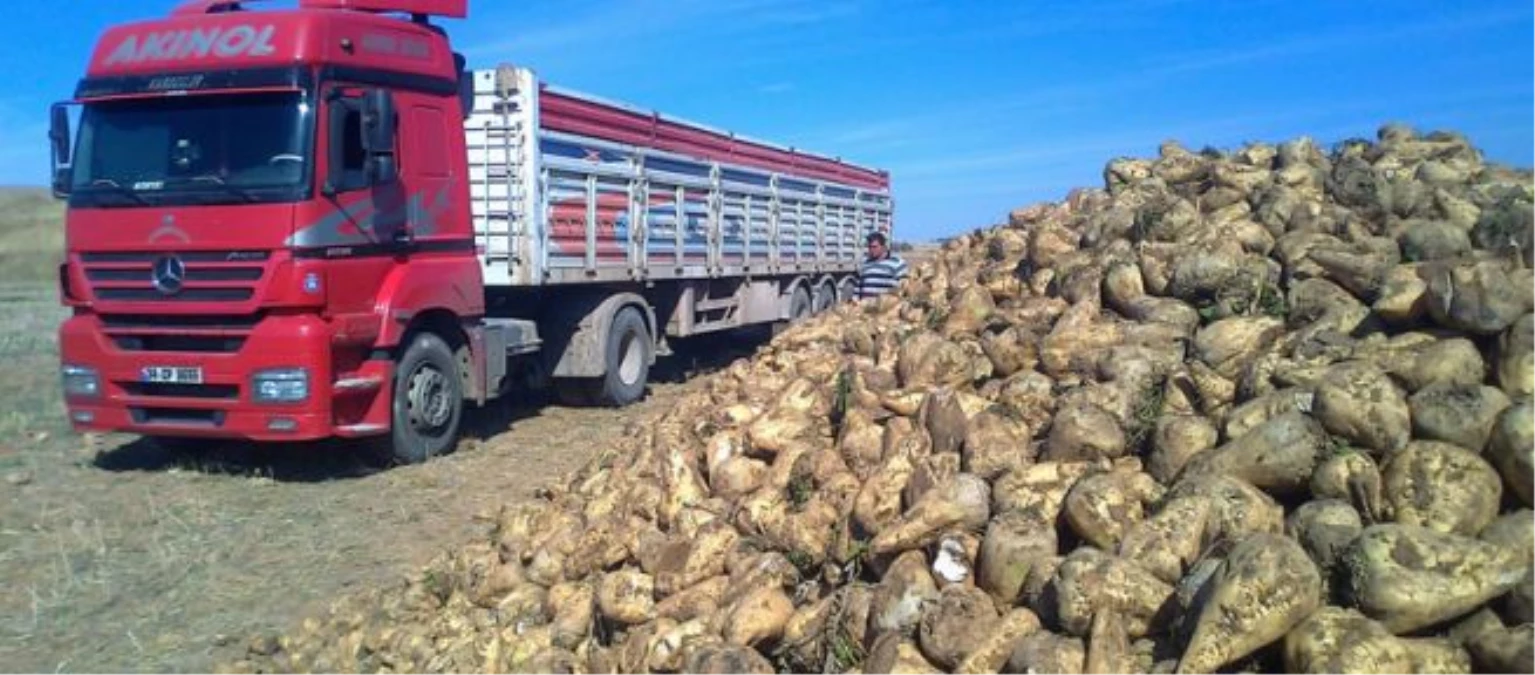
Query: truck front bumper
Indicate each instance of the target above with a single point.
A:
(222, 405)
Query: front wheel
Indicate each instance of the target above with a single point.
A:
(428, 402)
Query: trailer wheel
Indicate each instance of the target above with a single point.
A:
(825, 297)
(627, 360)
(800, 306)
(847, 289)
(428, 401)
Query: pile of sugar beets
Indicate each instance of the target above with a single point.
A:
(1261, 410)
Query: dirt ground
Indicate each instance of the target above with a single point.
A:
(118, 556)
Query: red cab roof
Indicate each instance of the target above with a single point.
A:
(454, 9)
(319, 32)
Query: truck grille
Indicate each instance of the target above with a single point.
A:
(229, 322)
(179, 343)
(199, 276)
(206, 334)
(188, 295)
(193, 274)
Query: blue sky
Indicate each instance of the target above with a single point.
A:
(974, 107)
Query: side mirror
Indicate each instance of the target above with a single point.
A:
(362, 135)
(380, 125)
(59, 139)
(383, 169)
(58, 133)
(465, 85)
(61, 181)
(380, 120)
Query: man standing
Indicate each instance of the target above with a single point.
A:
(882, 271)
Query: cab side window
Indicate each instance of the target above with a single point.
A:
(346, 148)
(353, 157)
(362, 128)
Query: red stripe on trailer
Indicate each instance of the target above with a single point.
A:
(569, 114)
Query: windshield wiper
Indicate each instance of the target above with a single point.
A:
(116, 188)
(235, 190)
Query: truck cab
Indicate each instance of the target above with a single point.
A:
(268, 231)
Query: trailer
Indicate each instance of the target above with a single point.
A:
(320, 222)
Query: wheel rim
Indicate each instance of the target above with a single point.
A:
(427, 404)
(631, 359)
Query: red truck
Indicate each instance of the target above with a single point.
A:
(318, 222)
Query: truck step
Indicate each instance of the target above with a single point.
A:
(722, 324)
(359, 430)
(352, 385)
(711, 304)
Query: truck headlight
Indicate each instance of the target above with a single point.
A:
(280, 385)
(81, 382)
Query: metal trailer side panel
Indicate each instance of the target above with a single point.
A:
(585, 115)
(554, 207)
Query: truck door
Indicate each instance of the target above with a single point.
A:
(361, 226)
(426, 167)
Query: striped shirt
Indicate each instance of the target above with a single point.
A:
(878, 277)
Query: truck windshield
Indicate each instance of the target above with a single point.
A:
(209, 149)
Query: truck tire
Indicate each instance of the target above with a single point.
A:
(627, 360)
(428, 401)
(800, 306)
(825, 297)
(847, 289)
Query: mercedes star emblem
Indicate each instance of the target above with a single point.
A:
(168, 274)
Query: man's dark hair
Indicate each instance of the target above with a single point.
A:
(875, 237)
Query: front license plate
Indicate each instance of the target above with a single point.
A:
(171, 375)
